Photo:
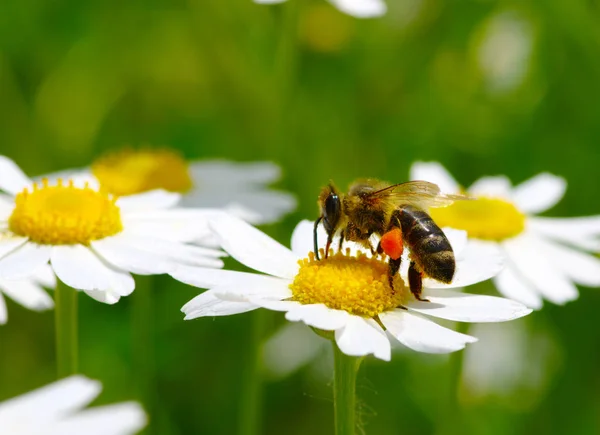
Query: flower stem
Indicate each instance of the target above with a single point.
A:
(344, 391)
(65, 315)
(251, 393)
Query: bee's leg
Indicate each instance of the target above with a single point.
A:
(415, 281)
(341, 241)
(394, 266)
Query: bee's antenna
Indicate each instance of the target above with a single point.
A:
(315, 238)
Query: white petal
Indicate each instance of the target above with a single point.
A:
(420, 334)
(208, 304)
(126, 257)
(219, 174)
(207, 278)
(539, 193)
(78, 267)
(174, 225)
(9, 244)
(361, 8)
(527, 256)
(253, 248)
(273, 289)
(434, 173)
(465, 307)
(52, 401)
(495, 187)
(581, 267)
(458, 240)
(24, 261)
(275, 304)
(105, 296)
(515, 287)
(121, 419)
(45, 276)
(3, 312)
(28, 294)
(582, 232)
(151, 200)
(479, 261)
(362, 337)
(12, 179)
(318, 316)
(302, 237)
(268, 2)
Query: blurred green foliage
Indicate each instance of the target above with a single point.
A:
(326, 96)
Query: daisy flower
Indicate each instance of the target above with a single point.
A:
(347, 294)
(239, 188)
(545, 257)
(356, 8)
(56, 409)
(28, 292)
(93, 240)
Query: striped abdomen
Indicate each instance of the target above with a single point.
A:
(430, 248)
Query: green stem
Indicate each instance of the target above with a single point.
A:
(454, 416)
(251, 393)
(344, 391)
(65, 314)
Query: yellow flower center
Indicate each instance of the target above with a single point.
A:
(64, 214)
(358, 285)
(134, 171)
(482, 218)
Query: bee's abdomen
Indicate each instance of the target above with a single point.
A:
(429, 246)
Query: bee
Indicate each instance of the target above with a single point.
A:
(395, 213)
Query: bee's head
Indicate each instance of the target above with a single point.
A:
(330, 205)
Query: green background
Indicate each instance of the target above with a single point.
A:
(326, 96)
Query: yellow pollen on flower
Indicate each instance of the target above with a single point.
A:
(64, 214)
(356, 284)
(134, 171)
(482, 218)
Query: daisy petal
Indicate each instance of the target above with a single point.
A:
(275, 304)
(361, 8)
(418, 333)
(479, 261)
(458, 240)
(28, 294)
(539, 193)
(273, 289)
(120, 254)
(9, 244)
(253, 248)
(53, 401)
(105, 296)
(151, 200)
(223, 173)
(268, 2)
(583, 232)
(465, 307)
(3, 312)
(24, 261)
(120, 419)
(208, 304)
(581, 267)
(515, 287)
(496, 187)
(434, 173)
(527, 256)
(79, 268)
(318, 316)
(208, 278)
(174, 225)
(362, 337)
(12, 179)
(302, 237)
(45, 276)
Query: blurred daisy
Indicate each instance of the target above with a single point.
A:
(347, 294)
(93, 240)
(545, 257)
(28, 292)
(56, 409)
(239, 188)
(356, 8)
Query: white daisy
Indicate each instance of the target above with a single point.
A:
(349, 295)
(56, 409)
(239, 188)
(356, 8)
(545, 257)
(28, 292)
(93, 240)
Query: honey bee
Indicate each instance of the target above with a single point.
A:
(395, 213)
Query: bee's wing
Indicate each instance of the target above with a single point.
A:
(421, 194)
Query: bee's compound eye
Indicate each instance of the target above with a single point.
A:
(331, 212)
